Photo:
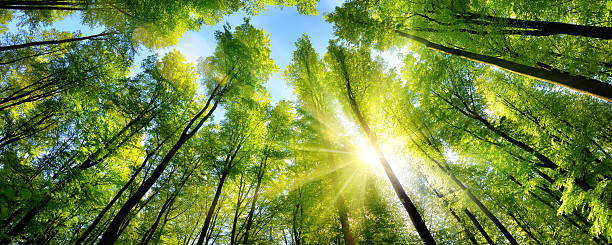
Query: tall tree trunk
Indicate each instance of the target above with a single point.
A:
(478, 226)
(524, 227)
(15, 7)
(539, 28)
(346, 226)
(579, 83)
(42, 5)
(251, 214)
(468, 233)
(211, 209)
(296, 232)
(465, 229)
(477, 201)
(446, 169)
(98, 218)
(112, 232)
(229, 159)
(167, 207)
(30, 56)
(411, 209)
(546, 162)
(51, 42)
(237, 212)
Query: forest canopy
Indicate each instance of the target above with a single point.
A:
(495, 127)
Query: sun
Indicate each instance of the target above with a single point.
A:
(366, 153)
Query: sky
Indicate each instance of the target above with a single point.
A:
(284, 26)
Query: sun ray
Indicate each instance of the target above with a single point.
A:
(348, 180)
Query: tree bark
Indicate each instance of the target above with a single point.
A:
(98, 218)
(465, 228)
(346, 226)
(478, 226)
(445, 168)
(540, 28)
(51, 42)
(166, 209)
(546, 162)
(237, 211)
(112, 232)
(255, 197)
(411, 209)
(229, 159)
(578, 83)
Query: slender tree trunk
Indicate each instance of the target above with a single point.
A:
(139, 121)
(468, 233)
(541, 28)
(478, 226)
(29, 56)
(166, 208)
(480, 205)
(51, 42)
(112, 232)
(93, 225)
(446, 169)
(14, 7)
(211, 209)
(251, 214)
(240, 199)
(411, 209)
(295, 232)
(579, 83)
(524, 227)
(546, 162)
(41, 3)
(465, 228)
(346, 226)
(229, 159)
(213, 224)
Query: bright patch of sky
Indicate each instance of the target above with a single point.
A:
(284, 26)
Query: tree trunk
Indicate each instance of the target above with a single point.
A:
(14, 7)
(540, 28)
(237, 212)
(93, 225)
(468, 233)
(465, 228)
(229, 159)
(346, 226)
(478, 226)
(411, 209)
(546, 162)
(211, 209)
(579, 83)
(112, 232)
(255, 197)
(51, 42)
(481, 206)
(445, 168)
(524, 227)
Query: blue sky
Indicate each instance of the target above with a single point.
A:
(284, 26)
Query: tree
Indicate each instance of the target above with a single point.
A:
(385, 24)
(340, 60)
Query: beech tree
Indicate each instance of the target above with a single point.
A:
(464, 137)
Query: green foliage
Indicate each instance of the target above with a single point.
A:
(472, 146)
